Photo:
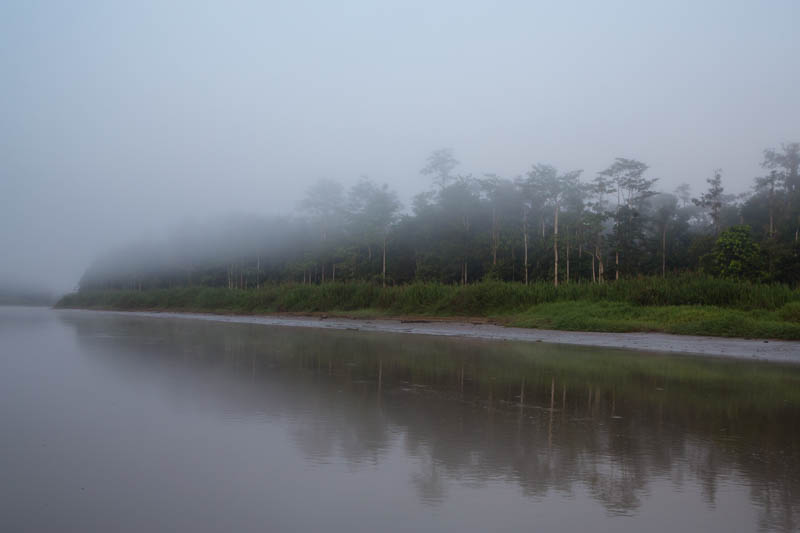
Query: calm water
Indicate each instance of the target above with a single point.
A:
(123, 423)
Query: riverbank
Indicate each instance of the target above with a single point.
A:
(751, 349)
(683, 305)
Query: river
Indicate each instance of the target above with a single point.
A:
(130, 423)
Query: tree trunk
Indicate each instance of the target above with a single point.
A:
(333, 277)
(567, 278)
(616, 264)
(594, 279)
(771, 203)
(664, 252)
(384, 261)
(555, 246)
(600, 268)
(525, 239)
(526, 257)
(495, 236)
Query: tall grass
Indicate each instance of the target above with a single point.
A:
(485, 298)
(493, 298)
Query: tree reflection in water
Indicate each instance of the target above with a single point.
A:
(549, 418)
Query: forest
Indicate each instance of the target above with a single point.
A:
(546, 225)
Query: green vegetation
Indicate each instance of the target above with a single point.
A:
(545, 249)
(735, 255)
(544, 225)
(687, 304)
(678, 319)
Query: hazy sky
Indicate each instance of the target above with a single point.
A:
(118, 119)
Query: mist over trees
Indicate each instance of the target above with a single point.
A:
(21, 295)
(561, 225)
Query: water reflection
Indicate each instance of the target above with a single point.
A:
(555, 421)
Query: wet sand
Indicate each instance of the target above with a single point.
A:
(758, 349)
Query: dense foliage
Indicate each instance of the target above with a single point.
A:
(686, 304)
(546, 225)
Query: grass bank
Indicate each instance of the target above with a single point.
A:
(684, 305)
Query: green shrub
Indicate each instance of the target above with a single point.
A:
(790, 312)
(681, 304)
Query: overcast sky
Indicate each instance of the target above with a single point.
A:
(118, 119)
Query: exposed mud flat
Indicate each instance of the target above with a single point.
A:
(759, 349)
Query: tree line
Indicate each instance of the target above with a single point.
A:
(546, 224)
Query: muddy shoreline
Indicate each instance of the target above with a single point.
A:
(751, 349)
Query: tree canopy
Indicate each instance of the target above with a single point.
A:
(546, 224)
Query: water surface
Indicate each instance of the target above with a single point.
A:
(122, 423)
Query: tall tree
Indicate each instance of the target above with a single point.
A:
(459, 204)
(632, 190)
(469, 229)
(525, 208)
(788, 161)
(325, 202)
(666, 213)
(553, 188)
(684, 192)
(440, 166)
(787, 165)
(595, 224)
(769, 185)
(502, 197)
(373, 209)
(713, 199)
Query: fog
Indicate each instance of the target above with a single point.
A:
(120, 120)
